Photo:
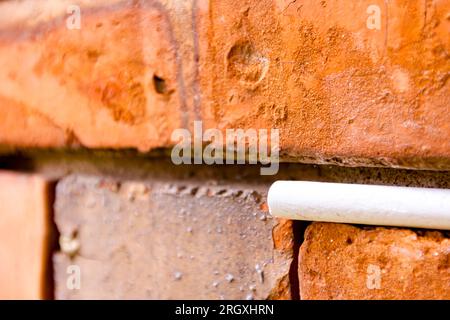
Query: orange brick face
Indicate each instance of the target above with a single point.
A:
(364, 83)
(24, 236)
(339, 261)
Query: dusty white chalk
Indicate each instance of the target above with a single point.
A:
(361, 204)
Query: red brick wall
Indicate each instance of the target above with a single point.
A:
(94, 109)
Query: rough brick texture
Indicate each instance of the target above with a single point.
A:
(339, 91)
(24, 236)
(339, 261)
(169, 240)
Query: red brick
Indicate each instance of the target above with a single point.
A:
(24, 236)
(338, 91)
(339, 261)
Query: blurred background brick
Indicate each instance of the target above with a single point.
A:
(25, 234)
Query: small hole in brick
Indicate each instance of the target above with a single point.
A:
(159, 84)
(349, 240)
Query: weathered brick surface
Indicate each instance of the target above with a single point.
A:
(338, 90)
(165, 239)
(24, 236)
(339, 261)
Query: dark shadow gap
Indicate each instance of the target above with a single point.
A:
(52, 245)
(298, 229)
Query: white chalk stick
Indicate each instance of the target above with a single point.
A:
(361, 204)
